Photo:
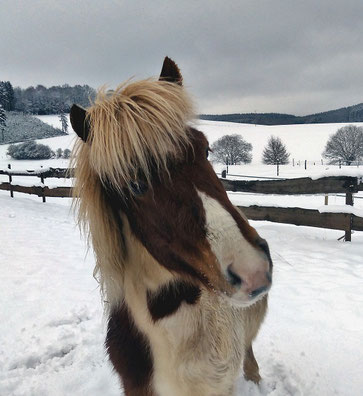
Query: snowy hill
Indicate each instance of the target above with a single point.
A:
(303, 142)
(20, 127)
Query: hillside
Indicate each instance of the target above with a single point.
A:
(344, 114)
(21, 127)
(303, 141)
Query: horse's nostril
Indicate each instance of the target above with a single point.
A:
(263, 245)
(233, 278)
(269, 277)
(258, 291)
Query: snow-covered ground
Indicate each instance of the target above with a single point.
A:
(303, 142)
(51, 322)
(52, 328)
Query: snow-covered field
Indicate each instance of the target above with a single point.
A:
(51, 322)
(52, 328)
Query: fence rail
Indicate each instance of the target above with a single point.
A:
(303, 185)
(298, 216)
(305, 217)
(57, 192)
(42, 191)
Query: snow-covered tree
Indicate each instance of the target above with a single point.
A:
(7, 98)
(231, 150)
(30, 150)
(275, 152)
(59, 153)
(2, 122)
(63, 119)
(346, 145)
(67, 153)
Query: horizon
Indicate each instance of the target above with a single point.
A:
(201, 113)
(294, 58)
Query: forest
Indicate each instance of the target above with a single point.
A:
(40, 100)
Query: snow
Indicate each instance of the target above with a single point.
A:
(345, 171)
(52, 326)
(303, 141)
(341, 209)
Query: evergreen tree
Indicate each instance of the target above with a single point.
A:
(67, 153)
(2, 122)
(64, 120)
(275, 152)
(10, 96)
(7, 98)
(3, 95)
(59, 153)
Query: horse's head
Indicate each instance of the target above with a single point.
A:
(140, 163)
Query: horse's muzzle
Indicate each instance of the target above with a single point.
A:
(253, 286)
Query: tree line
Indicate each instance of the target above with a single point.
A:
(41, 100)
(31, 150)
(343, 147)
(344, 114)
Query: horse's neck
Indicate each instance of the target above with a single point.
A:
(197, 341)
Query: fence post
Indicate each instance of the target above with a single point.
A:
(349, 201)
(42, 181)
(10, 180)
(326, 199)
(305, 164)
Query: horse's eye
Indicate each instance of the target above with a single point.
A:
(138, 188)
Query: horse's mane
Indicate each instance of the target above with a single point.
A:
(137, 127)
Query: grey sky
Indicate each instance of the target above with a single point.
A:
(287, 56)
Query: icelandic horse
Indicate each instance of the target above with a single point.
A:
(184, 275)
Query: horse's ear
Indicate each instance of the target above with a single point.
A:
(79, 121)
(170, 72)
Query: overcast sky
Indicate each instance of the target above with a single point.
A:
(287, 56)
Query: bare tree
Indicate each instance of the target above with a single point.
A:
(275, 152)
(231, 150)
(346, 145)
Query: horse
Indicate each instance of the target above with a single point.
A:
(184, 276)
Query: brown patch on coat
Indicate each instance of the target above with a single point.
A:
(129, 353)
(168, 299)
(170, 221)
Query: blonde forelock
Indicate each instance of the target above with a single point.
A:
(137, 126)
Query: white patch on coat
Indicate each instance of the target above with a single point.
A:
(199, 349)
(232, 249)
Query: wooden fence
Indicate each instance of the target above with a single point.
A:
(298, 216)
(40, 190)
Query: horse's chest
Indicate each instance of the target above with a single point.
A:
(204, 340)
